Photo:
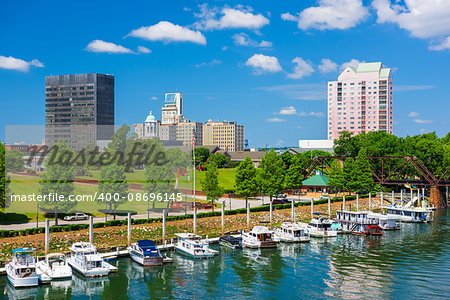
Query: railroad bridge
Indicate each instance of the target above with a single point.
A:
(396, 170)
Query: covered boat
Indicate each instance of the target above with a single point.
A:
(146, 253)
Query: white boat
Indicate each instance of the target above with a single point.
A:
(358, 222)
(291, 233)
(258, 237)
(146, 253)
(21, 271)
(55, 266)
(409, 213)
(319, 227)
(386, 222)
(191, 245)
(85, 259)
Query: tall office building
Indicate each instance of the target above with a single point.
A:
(227, 135)
(360, 100)
(185, 131)
(79, 109)
(172, 110)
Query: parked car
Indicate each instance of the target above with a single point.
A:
(76, 217)
(279, 196)
(278, 201)
(325, 197)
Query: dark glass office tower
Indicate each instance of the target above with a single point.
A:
(79, 109)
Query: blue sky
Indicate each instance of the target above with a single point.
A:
(250, 61)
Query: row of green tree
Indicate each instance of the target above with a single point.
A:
(432, 151)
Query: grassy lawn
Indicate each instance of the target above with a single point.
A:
(226, 178)
(20, 212)
(27, 185)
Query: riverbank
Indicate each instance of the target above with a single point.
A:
(116, 236)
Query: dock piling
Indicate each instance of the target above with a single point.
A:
(91, 229)
(329, 207)
(343, 202)
(223, 217)
(293, 210)
(401, 196)
(271, 212)
(370, 200)
(47, 236)
(382, 197)
(129, 229)
(195, 219)
(164, 228)
(357, 202)
(393, 196)
(312, 208)
(248, 216)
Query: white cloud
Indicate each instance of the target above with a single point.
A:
(413, 114)
(226, 17)
(420, 121)
(242, 39)
(262, 63)
(442, 46)
(142, 49)
(276, 120)
(265, 44)
(11, 63)
(407, 88)
(312, 114)
(210, 63)
(301, 69)
(289, 17)
(327, 66)
(353, 63)
(422, 18)
(154, 98)
(308, 92)
(100, 46)
(330, 14)
(290, 110)
(168, 32)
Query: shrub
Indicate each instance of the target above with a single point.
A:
(99, 225)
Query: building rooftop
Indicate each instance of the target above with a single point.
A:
(369, 67)
(316, 180)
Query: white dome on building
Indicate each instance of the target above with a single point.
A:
(150, 118)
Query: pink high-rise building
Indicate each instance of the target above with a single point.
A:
(360, 100)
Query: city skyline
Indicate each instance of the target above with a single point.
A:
(261, 65)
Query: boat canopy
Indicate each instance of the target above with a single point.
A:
(23, 250)
(149, 247)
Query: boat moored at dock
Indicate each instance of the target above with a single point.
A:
(258, 237)
(409, 213)
(291, 232)
(191, 245)
(230, 241)
(386, 222)
(146, 253)
(358, 222)
(21, 271)
(85, 259)
(319, 227)
(55, 266)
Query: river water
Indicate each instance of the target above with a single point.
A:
(411, 263)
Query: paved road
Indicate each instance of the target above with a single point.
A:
(235, 204)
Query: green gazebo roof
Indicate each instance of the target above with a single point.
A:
(316, 180)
